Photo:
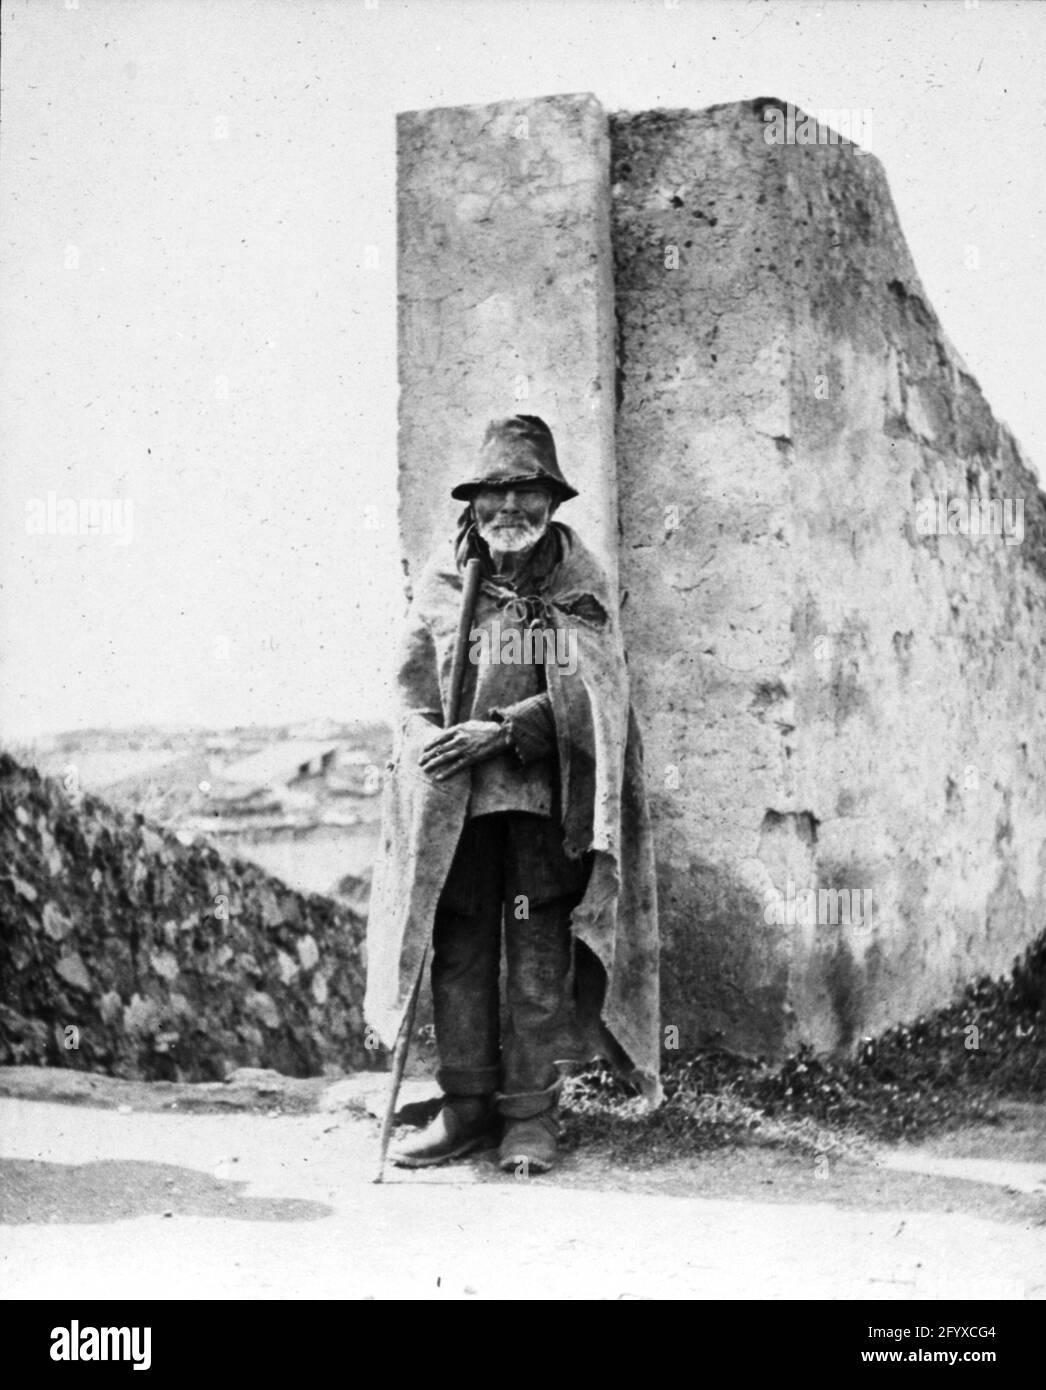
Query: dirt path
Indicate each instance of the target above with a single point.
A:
(126, 1197)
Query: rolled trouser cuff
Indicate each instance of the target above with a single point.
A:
(524, 1105)
(468, 1081)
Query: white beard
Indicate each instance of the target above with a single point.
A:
(512, 538)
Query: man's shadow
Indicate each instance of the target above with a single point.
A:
(33, 1192)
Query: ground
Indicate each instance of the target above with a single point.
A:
(263, 1188)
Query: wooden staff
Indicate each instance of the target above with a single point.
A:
(469, 593)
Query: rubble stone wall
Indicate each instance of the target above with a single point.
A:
(123, 950)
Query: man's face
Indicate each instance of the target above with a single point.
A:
(513, 517)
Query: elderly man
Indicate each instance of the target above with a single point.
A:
(526, 820)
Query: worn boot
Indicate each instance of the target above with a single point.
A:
(463, 1124)
(529, 1146)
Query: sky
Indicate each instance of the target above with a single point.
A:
(197, 296)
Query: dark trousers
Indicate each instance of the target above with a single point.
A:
(510, 871)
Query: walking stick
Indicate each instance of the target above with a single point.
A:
(469, 591)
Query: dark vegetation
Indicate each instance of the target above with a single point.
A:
(947, 1068)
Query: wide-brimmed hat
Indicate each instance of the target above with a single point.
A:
(519, 449)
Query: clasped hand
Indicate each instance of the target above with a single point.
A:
(454, 749)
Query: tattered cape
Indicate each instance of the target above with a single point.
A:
(603, 801)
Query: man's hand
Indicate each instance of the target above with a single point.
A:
(462, 745)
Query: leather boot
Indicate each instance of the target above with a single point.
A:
(529, 1146)
(463, 1124)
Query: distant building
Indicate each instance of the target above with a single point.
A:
(283, 764)
(356, 774)
(282, 769)
(304, 808)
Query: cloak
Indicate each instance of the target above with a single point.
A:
(602, 798)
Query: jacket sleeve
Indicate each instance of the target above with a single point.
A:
(531, 726)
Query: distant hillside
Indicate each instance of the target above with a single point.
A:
(122, 950)
(167, 774)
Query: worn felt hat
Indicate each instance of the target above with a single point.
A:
(519, 449)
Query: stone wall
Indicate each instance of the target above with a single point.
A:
(505, 302)
(123, 950)
(831, 701)
(829, 696)
(703, 491)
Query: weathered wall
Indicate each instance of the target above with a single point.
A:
(505, 302)
(828, 695)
